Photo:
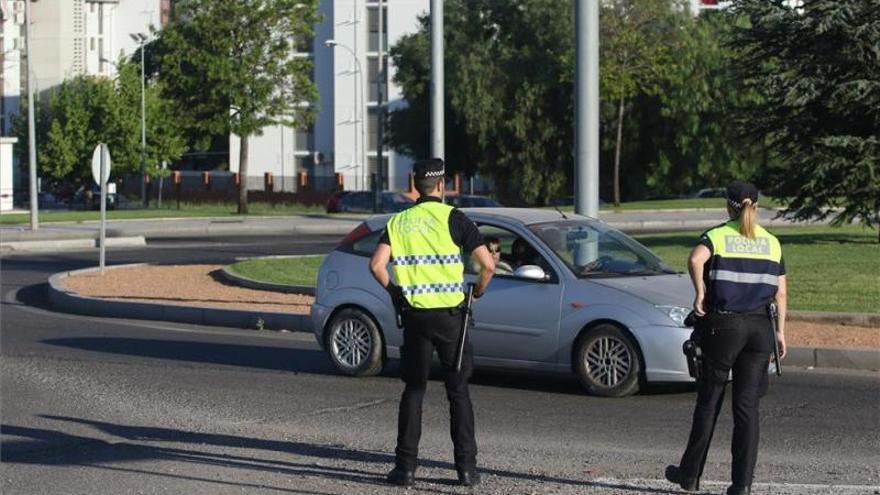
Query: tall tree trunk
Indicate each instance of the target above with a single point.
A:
(617, 152)
(242, 176)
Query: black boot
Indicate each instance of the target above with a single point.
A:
(469, 477)
(401, 477)
(674, 475)
(739, 490)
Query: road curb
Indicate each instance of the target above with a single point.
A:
(65, 300)
(853, 319)
(827, 357)
(65, 244)
(250, 283)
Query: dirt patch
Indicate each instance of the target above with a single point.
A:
(184, 285)
(807, 334)
(200, 285)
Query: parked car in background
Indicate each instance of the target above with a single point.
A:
(362, 202)
(712, 192)
(583, 299)
(91, 199)
(333, 204)
(472, 201)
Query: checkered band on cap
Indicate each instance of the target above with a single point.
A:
(435, 173)
(410, 290)
(427, 259)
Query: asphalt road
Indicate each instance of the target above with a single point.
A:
(96, 406)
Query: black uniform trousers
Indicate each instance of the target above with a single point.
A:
(425, 330)
(742, 343)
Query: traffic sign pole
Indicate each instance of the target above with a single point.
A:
(103, 256)
(101, 164)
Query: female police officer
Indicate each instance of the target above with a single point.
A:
(737, 271)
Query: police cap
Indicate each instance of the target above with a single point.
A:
(432, 167)
(738, 191)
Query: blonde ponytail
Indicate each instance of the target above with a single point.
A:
(748, 216)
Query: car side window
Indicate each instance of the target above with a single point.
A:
(366, 246)
(510, 251)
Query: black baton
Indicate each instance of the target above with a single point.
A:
(466, 321)
(771, 309)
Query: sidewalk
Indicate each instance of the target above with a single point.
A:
(321, 224)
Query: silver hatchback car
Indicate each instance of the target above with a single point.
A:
(573, 296)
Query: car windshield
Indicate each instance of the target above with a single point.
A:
(592, 249)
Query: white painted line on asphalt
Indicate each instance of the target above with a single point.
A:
(10, 298)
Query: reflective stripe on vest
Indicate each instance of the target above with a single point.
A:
(743, 273)
(427, 263)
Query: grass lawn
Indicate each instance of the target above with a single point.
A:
(828, 269)
(291, 271)
(168, 210)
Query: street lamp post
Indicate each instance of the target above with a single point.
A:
(363, 152)
(140, 38)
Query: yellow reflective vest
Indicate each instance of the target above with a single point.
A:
(427, 263)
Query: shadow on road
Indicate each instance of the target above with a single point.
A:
(51, 447)
(250, 356)
(289, 358)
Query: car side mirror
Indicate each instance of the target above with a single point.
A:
(531, 272)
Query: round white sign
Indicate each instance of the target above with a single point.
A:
(101, 149)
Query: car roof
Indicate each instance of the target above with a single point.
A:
(526, 216)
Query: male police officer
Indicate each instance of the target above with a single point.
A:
(425, 244)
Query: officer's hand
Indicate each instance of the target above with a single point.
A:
(698, 305)
(780, 340)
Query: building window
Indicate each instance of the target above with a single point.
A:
(101, 55)
(92, 7)
(372, 124)
(371, 169)
(92, 44)
(373, 24)
(100, 18)
(304, 139)
(373, 77)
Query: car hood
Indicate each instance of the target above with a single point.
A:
(672, 290)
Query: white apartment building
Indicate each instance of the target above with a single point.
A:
(11, 41)
(346, 110)
(70, 38)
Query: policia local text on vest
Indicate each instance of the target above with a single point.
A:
(427, 245)
(737, 270)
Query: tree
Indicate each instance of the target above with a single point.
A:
(817, 67)
(637, 36)
(166, 139)
(697, 141)
(237, 55)
(509, 107)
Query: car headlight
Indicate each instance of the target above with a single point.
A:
(675, 313)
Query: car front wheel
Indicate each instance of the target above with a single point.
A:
(607, 362)
(355, 343)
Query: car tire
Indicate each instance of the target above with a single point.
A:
(607, 362)
(354, 343)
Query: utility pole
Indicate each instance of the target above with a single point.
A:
(380, 113)
(438, 149)
(141, 38)
(586, 194)
(32, 137)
